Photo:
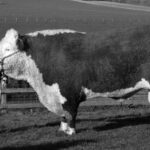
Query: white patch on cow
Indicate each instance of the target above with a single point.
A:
(22, 67)
(89, 93)
(53, 32)
(120, 94)
(55, 88)
(70, 131)
(63, 126)
(144, 84)
(149, 96)
(8, 43)
(11, 36)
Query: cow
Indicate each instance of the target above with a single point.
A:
(66, 67)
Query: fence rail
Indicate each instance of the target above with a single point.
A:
(35, 104)
(17, 90)
(6, 91)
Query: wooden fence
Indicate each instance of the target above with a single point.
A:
(6, 91)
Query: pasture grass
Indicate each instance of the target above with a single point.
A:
(32, 15)
(103, 127)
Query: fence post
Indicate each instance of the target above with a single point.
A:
(3, 95)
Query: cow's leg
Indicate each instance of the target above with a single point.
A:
(68, 125)
(63, 124)
(68, 122)
(72, 124)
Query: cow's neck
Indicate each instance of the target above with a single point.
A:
(26, 69)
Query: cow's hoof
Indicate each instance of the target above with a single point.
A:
(70, 131)
(64, 127)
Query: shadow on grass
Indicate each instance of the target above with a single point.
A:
(124, 121)
(30, 127)
(53, 146)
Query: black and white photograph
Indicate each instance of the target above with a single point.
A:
(74, 75)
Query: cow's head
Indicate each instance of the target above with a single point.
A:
(11, 51)
(8, 44)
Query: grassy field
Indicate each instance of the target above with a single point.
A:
(31, 15)
(105, 127)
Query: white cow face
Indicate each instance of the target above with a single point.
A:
(8, 45)
(8, 51)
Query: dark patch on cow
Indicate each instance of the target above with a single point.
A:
(23, 43)
(100, 66)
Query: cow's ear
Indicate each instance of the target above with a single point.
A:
(23, 43)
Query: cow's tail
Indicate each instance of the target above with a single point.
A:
(121, 94)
